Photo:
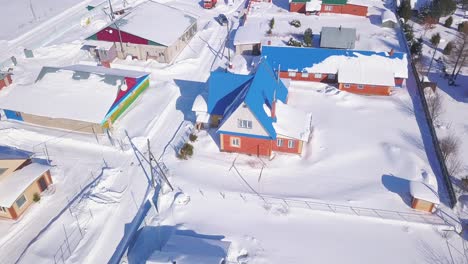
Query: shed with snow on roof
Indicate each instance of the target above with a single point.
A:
(200, 109)
(80, 98)
(5, 79)
(338, 38)
(389, 19)
(149, 31)
(248, 38)
(424, 196)
(21, 181)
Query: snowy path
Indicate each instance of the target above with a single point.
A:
(46, 32)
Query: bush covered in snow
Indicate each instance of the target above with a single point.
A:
(193, 137)
(294, 43)
(448, 48)
(186, 151)
(295, 23)
(36, 197)
(308, 37)
(448, 22)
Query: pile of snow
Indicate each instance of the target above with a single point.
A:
(292, 122)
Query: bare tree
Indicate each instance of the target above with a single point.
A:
(449, 146)
(434, 104)
(458, 57)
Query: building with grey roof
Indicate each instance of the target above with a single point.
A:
(337, 37)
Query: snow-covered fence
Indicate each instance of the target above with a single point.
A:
(435, 141)
(407, 217)
(180, 137)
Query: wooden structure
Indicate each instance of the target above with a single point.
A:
(149, 31)
(94, 98)
(5, 79)
(21, 180)
(424, 196)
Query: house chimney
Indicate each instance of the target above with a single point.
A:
(392, 51)
(273, 106)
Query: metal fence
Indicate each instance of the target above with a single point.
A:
(435, 141)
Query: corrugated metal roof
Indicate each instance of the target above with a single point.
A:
(10, 153)
(334, 2)
(338, 38)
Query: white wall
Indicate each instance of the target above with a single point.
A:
(243, 112)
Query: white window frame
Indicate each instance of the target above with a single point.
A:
(279, 142)
(3, 209)
(331, 76)
(328, 8)
(291, 144)
(291, 74)
(242, 123)
(305, 75)
(360, 86)
(25, 201)
(318, 76)
(347, 85)
(235, 142)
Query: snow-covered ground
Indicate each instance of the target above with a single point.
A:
(370, 34)
(453, 121)
(363, 153)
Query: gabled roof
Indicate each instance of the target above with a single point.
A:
(334, 2)
(78, 92)
(335, 61)
(223, 88)
(388, 15)
(155, 22)
(263, 88)
(15, 184)
(337, 37)
(10, 153)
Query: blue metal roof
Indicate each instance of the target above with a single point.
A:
(223, 88)
(259, 89)
(300, 58)
(9, 153)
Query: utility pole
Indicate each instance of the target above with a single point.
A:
(226, 45)
(430, 64)
(150, 158)
(111, 10)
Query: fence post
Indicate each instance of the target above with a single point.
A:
(66, 239)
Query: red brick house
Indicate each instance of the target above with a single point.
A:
(362, 72)
(327, 6)
(252, 114)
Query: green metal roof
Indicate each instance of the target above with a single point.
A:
(334, 2)
(300, 1)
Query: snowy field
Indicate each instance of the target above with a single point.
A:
(453, 121)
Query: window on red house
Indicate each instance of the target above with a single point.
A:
(279, 142)
(291, 144)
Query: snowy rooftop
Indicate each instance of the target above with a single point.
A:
(382, 65)
(85, 95)
(150, 20)
(189, 250)
(423, 191)
(9, 153)
(98, 43)
(199, 105)
(388, 15)
(106, 71)
(14, 185)
(292, 122)
(313, 5)
(249, 34)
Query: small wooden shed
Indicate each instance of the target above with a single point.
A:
(201, 111)
(5, 79)
(424, 196)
